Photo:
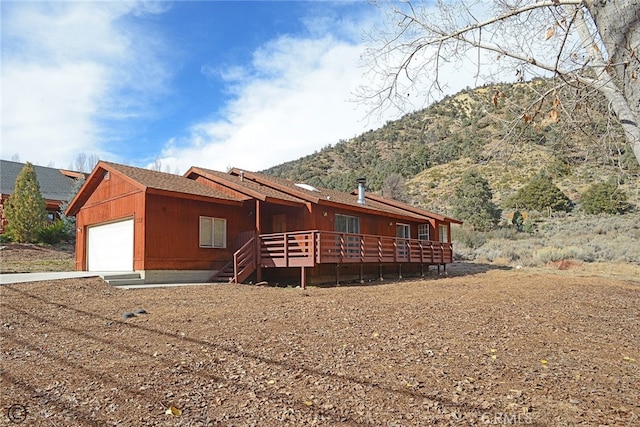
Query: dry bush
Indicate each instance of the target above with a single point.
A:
(579, 238)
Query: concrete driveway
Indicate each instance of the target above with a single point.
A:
(6, 279)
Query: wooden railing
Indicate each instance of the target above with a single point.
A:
(244, 261)
(308, 248)
(294, 249)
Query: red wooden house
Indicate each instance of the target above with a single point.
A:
(243, 226)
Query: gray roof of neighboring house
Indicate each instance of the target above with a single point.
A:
(54, 185)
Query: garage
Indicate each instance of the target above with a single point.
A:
(110, 246)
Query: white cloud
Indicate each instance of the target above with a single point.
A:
(66, 67)
(294, 99)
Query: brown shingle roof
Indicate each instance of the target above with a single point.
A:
(246, 186)
(168, 182)
(325, 195)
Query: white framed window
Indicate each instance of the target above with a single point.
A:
(443, 231)
(347, 224)
(423, 232)
(213, 232)
(403, 230)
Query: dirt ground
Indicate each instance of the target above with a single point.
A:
(31, 258)
(493, 346)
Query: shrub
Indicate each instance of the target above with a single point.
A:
(468, 237)
(53, 233)
(604, 197)
(518, 220)
(550, 254)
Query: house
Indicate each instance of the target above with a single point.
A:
(243, 226)
(57, 186)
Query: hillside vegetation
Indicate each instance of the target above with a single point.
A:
(508, 133)
(508, 136)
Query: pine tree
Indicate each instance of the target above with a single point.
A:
(472, 202)
(26, 211)
(540, 194)
(604, 197)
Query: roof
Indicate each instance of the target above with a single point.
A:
(238, 186)
(322, 195)
(54, 183)
(245, 186)
(412, 208)
(151, 179)
(146, 180)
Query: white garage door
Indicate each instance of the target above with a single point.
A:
(110, 246)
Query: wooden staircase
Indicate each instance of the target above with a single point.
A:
(243, 265)
(225, 274)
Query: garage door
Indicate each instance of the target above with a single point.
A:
(110, 246)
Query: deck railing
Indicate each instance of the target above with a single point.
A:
(244, 261)
(308, 248)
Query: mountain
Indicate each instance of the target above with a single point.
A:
(508, 132)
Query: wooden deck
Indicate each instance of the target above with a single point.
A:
(310, 248)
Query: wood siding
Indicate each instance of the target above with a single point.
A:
(172, 233)
(112, 200)
(373, 224)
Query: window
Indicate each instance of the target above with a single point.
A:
(423, 232)
(403, 232)
(213, 232)
(443, 231)
(347, 224)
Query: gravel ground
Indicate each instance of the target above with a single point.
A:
(500, 346)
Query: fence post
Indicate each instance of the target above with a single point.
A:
(286, 249)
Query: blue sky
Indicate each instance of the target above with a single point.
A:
(210, 83)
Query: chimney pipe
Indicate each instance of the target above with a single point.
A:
(361, 196)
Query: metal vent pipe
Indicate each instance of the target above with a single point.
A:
(361, 195)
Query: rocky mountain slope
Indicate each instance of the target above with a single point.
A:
(508, 132)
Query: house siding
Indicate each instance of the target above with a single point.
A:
(113, 199)
(172, 233)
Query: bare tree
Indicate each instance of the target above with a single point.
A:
(157, 165)
(85, 163)
(92, 161)
(81, 162)
(394, 188)
(588, 44)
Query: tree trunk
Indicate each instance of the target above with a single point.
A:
(618, 23)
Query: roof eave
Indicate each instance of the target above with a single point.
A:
(268, 183)
(189, 196)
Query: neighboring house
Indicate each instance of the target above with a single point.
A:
(243, 226)
(56, 186)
